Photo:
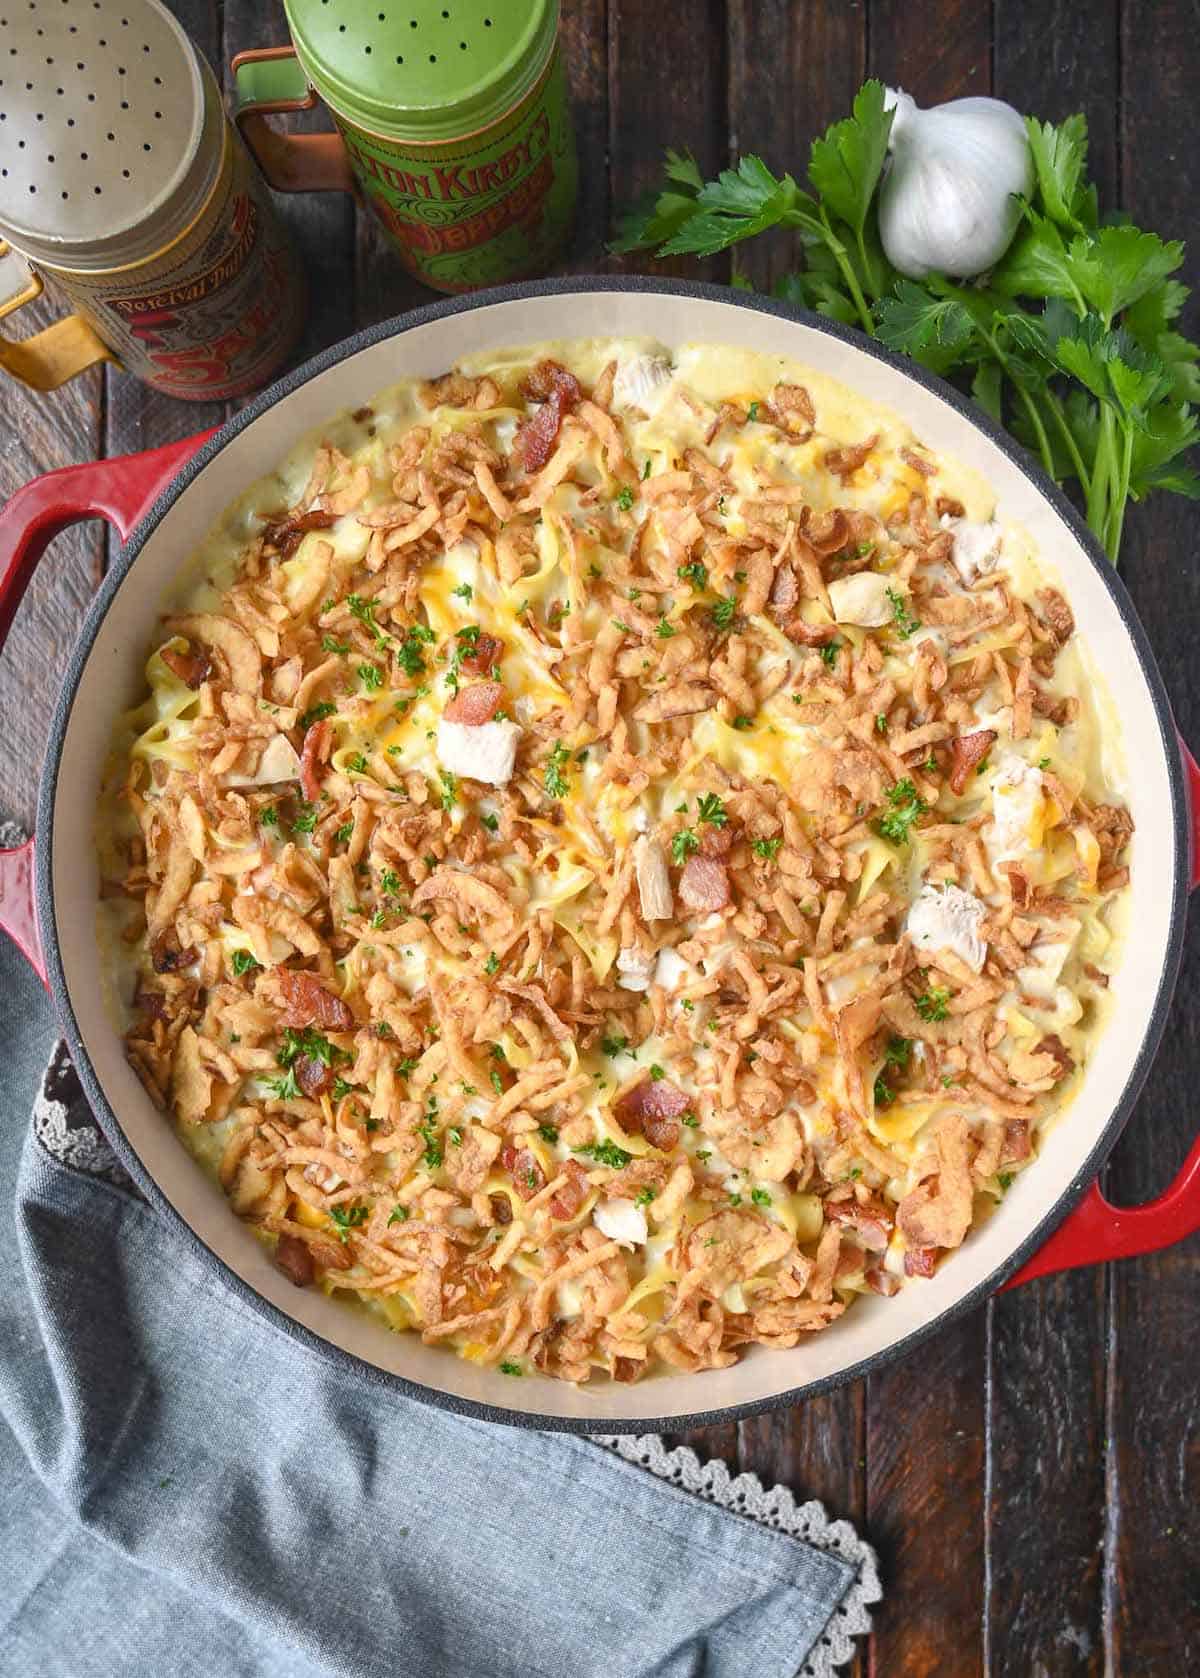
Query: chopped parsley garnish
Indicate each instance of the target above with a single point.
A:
(710, 808)
(644, 1196)
(829, 653)
(1043, 763)
(496, 1082)
(723, 611)
(898, 1052)
(619, 623)
(904, 807)
(455, 1135)
(305, 818)
(657, 1072)
(760, 1197)
(934, 1004)
(645, 471)
(615, 1045)
(624, 498)
(509, 1368)
(312, 1045)
(555, 781)
(243, 962)
(449, 789)
(286, 1088)
(881, 724)
(270, 816)
(344, 834)
(390, 883)
(398, 1215)
(605, 1153)
(768, 849)
(703, 1153)
(341, 1088)
(548, 1132)
(1005, 1180)
(492, 823)
(316, 712)
(409, 655)
(665, 630)
(432, 1157)
(346, 1218)
(735, 1199)
(371, 677)
(682, 846)
(357, 763)
(743, 723)
(903, 621)
(690, 1120)
(464, 591)
(492, 964)
(331, 644)
(752, 412)
(364, 611)
(696, 573)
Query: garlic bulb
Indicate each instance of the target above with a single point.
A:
(948, 201)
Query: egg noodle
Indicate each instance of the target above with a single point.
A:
(619, 856)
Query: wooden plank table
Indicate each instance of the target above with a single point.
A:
(1032, 1477)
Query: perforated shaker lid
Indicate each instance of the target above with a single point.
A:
(422, 70)
(110, 130)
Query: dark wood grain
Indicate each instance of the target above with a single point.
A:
(666, 87)
(585, 46)
(1153, 1580)
(1048, 1342)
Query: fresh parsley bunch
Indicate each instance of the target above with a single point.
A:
(1070, 341)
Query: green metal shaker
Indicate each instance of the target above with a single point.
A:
(452, 120)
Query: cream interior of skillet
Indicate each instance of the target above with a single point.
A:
(727, 949)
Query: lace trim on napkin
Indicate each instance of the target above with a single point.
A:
(775, 1507)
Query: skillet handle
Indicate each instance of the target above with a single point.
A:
(1097, 1230)
(122, 491)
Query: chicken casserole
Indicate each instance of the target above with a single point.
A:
(621, 854)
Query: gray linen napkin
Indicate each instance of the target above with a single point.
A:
(183, 1489)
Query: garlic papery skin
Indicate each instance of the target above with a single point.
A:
(949, 201)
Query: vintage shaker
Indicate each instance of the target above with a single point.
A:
(123, 184)
(452, 120)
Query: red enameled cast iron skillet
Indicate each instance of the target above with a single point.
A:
(162, 503)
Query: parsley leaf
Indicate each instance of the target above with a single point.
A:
(242, 961)
(316, 712)
(934, 1004)
(624, 498)
(694, 572)
(905, 623)
(554, 781)
(614, 1045)
(709, 808)
(905, 805)
(605, 1153)
(767, 849)
(346, 1218)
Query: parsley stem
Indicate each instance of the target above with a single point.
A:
(1081, 471)
(838, 252)
(1121, 501)
(1035, 421)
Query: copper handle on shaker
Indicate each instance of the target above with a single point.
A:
(50, 357)
(268, 81)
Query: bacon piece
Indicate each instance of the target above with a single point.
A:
(1054, 1046)
(920, 1261)
(872, 1221)
(653, 1108)
(628, 1369)
(287, 534)
(1018, 884)
(558, 391)
(969, 750)
(1016, 1141)
(313, 1076)
(315, 750)
(166, 956)
(716, 841)
(294, 1259)
(948, 508)
(483, 657)
(192, 668)
(501, 1207)
(527, 1175)
(882, 1281)
(573, 1193)
(476, 704)
(307, 1002)
(704, 884)
(150, 1003)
